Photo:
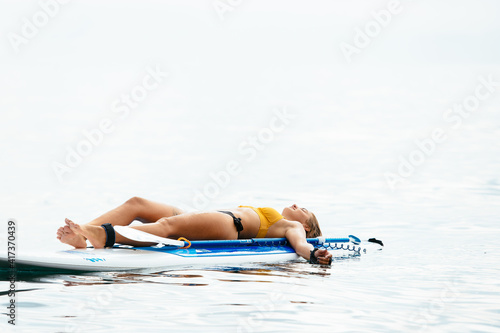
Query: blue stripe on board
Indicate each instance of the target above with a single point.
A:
(243, 243)
(228, 251)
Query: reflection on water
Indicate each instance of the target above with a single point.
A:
(282, 270)
(7, 292)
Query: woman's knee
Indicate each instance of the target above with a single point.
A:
(135, 201)
(166, 226)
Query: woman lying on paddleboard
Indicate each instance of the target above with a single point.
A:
(244, 222)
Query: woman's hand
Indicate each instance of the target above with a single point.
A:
(324, 257)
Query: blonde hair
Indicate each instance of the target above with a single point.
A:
(313, 224)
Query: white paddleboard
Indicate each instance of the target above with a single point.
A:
(128, 258)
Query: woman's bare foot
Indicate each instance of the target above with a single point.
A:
(95, 234)
(68, 236)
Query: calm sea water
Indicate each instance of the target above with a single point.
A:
(438, 270)
(355, 143)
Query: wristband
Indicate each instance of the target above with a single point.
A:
(312, 258)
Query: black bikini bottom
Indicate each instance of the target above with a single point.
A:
(236, 220)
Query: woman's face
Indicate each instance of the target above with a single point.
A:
(296, 213)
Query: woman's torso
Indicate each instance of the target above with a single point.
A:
(252, 223)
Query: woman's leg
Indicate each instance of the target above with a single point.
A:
(194, 226)
(135, 208)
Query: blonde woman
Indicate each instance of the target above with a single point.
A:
(242, 222)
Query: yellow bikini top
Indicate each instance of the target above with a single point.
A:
(268, 216)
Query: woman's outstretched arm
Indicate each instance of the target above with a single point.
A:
(296, 235)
